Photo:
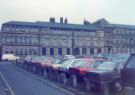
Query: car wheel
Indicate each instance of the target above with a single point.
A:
(74, 80)
(117, 86)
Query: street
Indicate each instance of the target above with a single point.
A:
(24, 84)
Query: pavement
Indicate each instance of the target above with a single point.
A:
(22, 83)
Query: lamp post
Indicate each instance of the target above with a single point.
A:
(39, 42)
(73, 42)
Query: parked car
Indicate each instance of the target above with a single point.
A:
(128, 73)
(109, 73)
(69, 56)
(64, 69)
(10, 57)
(33, 62)
(44, 64)
(82, 66)
(53, 69)
(27, 60)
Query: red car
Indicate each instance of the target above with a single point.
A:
(82, 66)
(43, 67)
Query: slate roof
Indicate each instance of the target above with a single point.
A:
(98, 25)
(53, 25)
(122, 26)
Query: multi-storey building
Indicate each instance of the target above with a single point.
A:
(51, 38)
(119, 38)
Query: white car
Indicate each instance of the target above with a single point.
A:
(10, 57)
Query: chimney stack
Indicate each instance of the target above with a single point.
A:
(61, 19)
(52, 20)
(66, 21)
(86, 22)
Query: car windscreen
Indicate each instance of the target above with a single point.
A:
(67, 62)
(46, 59)
(110, 66)
(79, 63)
(121, 58)
(58, 61)
(97, 63)
(131, 63)
(35, 59)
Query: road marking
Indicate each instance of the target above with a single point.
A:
(5, 81)
(48, 82)
(4, 62)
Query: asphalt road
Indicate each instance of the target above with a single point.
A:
(3, 88)
(24, 84)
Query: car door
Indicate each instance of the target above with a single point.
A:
(128, 73)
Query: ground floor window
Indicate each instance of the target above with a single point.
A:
(99, 50)
(16, 52)
(84, 51)
(30, 51)
(6, 52)
(26, 52)
(21, 52)
(60, 51)
(43, 51)
(68, 51)
(91, 50)
(12, 52)
(51, 51)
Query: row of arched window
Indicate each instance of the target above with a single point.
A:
(19, 39)
(22, 52)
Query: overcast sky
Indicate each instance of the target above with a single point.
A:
(115, 11)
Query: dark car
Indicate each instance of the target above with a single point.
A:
(108, 72)
(128, 73)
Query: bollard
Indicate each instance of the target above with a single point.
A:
(104, 88)
(64, 80)
(74, 81)
(34, 69)
(44, 72)
(87, 85)
(129, 91)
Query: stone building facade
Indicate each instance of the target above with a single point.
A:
(52, 38)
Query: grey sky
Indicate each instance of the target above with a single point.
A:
(115, 11)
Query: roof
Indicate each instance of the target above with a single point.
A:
(124, 26)
(98, 25)
(102, 23)
(53, 25)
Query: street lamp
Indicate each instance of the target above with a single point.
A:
(73, 43)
